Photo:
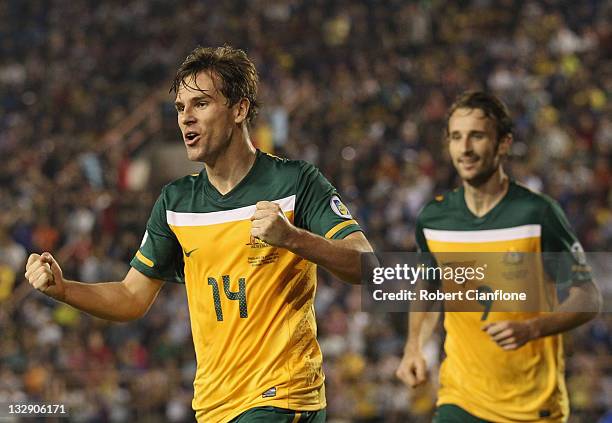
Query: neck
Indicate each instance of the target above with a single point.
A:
(482, 198)
(231, 165)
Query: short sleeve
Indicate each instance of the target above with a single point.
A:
(159, 255)
(419, 237)
(319, 208)
(557, 237)
(424, 256)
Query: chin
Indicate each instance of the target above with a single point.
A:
(469, 176)
(195, 154)
(477, 179)
(194, 157)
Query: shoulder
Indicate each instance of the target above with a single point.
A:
(181, 189)
(281, 174)
(284, 164)
(529, 198)
(299, 172)
(439, 206)
(184, 183)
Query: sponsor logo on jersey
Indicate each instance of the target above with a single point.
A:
(270, 393)
(188, 253)
(339, 208)
(255, 242)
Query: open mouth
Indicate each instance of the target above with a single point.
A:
(191, 137)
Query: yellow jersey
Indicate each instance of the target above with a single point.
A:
(524, 385)
(250, 303)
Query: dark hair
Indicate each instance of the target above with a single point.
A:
(231, 66)
(491, 106)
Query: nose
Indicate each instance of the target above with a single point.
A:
(466, 145)
(188, 118)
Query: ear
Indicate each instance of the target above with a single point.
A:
(504, 145)
(241, 110)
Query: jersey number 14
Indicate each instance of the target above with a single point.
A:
(239, 296)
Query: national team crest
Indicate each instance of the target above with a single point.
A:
(513, 257)
(255, 242)
(339, 208)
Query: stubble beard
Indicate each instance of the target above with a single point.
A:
(483, 176)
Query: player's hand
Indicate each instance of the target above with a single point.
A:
(44, 274)
(510, 334)
(412, 369)
(270, 224)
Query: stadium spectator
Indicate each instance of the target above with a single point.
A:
(355, 87)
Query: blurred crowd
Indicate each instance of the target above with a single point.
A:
(360, 88)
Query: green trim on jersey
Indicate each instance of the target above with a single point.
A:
(280, 415)
(450, 413)
(270, 178)
(520, 206)
(477, 376)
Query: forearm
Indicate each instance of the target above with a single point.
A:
(584, 297)
(421, 325)
(558, 322)
(118, 301)
(107, 300)
(342, 257)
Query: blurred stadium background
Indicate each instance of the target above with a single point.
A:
(88, 136)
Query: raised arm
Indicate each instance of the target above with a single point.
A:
(119, 301)
(342, 257)
(339, 256)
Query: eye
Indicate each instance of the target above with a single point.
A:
(201, 104)
(179, 108)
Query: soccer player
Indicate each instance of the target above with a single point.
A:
(244, 235)
(510, 366)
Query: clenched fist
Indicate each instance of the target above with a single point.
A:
(412, 369)
(270, 224)
(44, 274)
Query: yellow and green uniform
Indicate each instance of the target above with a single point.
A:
(477, 375)
(250, 304)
